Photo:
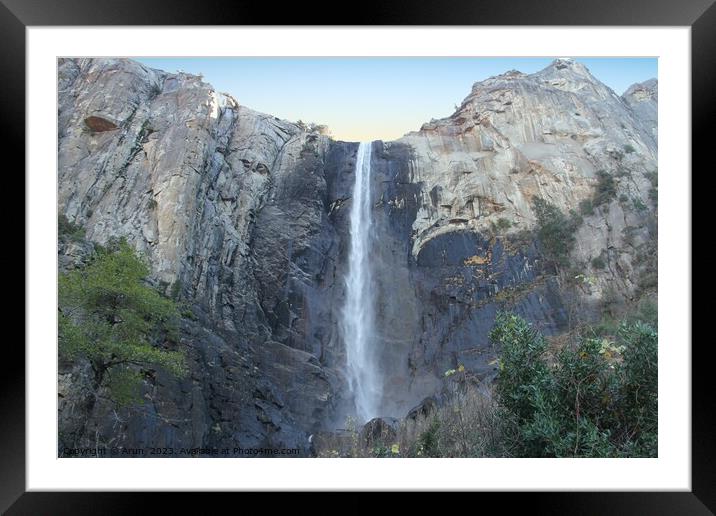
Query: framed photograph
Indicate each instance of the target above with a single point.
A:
(365, 257)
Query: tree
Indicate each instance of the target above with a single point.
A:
(111, 317)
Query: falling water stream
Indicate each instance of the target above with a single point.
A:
(358, 315)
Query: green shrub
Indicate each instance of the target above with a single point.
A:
(628, 149)
(638, 204)
(605, 190)
(175, 290)
(586, 207)
(555, 230)
(427, 445)
(503, 223)
(653, 178)
(639, 373)
(109, 316)
(68, 229)
(647, 312)
(500, 226)
(523, 373)
(598, 262)
(599, 399)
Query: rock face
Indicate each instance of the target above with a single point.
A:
(230, 207)
(643, 98)
(244, 217)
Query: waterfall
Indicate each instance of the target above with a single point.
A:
(358, 315)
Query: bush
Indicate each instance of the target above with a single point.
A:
(522, 372)
(647, 312)
(598, 262)
(427, 444)
(628, 149)
(586, 207)
(638, 204)
(503, 223)
(68, 229)
(468, 424)
(605, 190)
(639, 374)
(110, 317)
(598, 400)
(555, 230)
(653, 178)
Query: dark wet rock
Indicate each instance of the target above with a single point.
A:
(379, 432)
(424, 409)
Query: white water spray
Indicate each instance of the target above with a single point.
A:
(358, 316)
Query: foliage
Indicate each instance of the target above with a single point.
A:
(629, 148)
(644, 311)
(598, 262)
(500, 226)
(109, 316)
(653, 178)
(647, 311)
(521, 368)
(586, 280)
(427, 445)
(175, 290)
(638, 204)
(468, 424)
(68, 229)
(610, 300)
(605, 190)
(647, 258)
(154, 90)
(503, 224)
(555, 230)
(586, 207)
(599, 399)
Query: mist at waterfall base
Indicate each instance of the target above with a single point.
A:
(357, 323)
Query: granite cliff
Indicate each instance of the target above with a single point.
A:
(243, 218)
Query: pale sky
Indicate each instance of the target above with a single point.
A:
(371, 98)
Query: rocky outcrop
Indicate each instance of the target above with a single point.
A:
(550, 135)
(643, 99)
(244, 219)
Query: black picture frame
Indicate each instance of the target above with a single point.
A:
(17, 15)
